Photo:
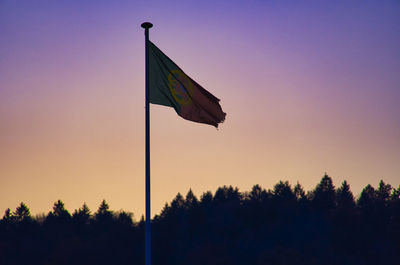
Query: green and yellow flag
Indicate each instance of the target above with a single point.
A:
(170, 86)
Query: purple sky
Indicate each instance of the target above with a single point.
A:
(308, 87)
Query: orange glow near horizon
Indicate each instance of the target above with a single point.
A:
(306, 91)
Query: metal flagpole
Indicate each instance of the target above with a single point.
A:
(146, 26)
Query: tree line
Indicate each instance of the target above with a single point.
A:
(283, 225)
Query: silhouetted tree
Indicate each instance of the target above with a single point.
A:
(59, 215)
(367, 199)
(368, 205)
(383, 192)
(82, 215)
(177, 203)
(233, 194)
(395, 196)
(283, 192)
(346, 220)
(382, 210)
(394, 216)
(323, 196)
(164, 211)
(7, 216)
(59, 211)
(125, 218)
(257, 194)
(22, 213)
(344, 197)
(221, 195)
(206, 198)
(278, 226)
(191, 200)
(103, 214)
(299, 192)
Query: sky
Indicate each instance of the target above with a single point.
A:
(308, 87)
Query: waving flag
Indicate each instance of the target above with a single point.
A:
(170, 86)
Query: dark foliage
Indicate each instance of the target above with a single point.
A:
(284, 225)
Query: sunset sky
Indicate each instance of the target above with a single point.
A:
(308, 87)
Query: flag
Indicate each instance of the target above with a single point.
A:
(170, 86)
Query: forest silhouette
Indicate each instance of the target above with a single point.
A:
(285, 225)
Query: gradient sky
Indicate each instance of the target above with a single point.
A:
(308, 87)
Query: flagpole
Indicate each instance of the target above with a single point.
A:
(147, 26)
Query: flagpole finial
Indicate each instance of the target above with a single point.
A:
(146, 25)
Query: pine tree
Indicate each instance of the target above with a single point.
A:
(299, 192)
(60, 211)
(395, 196)
(125, 218)
(257, 193)
(344, 197)
(366, 201)
(323, 196)
(178, 202)
(22, 213)
(206, 199)
(283, 192)
(165, 210)
(8, 216)
(394, 209)
(220, 195)
(383, 192)
(103, 214)
(191, 200)
(82, 215)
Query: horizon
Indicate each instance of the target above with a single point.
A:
(307, 88)
(198, 196)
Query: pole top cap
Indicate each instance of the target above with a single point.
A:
(146, 25)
